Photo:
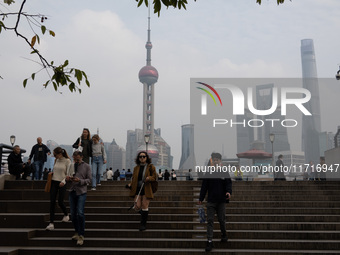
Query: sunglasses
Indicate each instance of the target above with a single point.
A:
(142, 156)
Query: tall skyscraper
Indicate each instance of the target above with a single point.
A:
(148, 75)
(157, 148)
(245, 135)
(311, 125)
(115, 156)
(188, 160)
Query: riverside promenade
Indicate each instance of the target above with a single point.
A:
(263, 217)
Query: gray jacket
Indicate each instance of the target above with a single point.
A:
(84, 174)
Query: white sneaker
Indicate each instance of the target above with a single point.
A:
(65, 218)
(75, 237)
(98, 184)
(50, 226)
(80, 240)
(93, 188)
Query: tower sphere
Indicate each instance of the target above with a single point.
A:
(148, 74)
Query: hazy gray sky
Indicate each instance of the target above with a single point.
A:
(107, 38)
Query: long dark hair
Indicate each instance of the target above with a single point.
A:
(148, 159)
(61, 151)
(89, 136)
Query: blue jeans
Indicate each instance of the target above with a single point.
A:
(97, 169)
(77, 204)
(38, 166)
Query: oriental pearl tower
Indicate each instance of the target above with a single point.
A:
(148, 75)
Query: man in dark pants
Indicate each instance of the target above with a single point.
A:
(81, 177)
(16, 166)
(38, 153)
(279, 174)
(219, 192)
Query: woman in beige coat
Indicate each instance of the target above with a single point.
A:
(144, 172)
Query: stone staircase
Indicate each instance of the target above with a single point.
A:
(262, 218)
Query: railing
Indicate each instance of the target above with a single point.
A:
(3, 151)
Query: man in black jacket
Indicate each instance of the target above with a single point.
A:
(16, 166)
(38, 153)
(219, 193)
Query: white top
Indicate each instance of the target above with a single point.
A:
(61, 169)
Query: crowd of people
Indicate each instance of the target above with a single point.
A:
(80, 174)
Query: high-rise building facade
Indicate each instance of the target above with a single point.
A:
(164, 151)
(135, 138)
(115, 156)
(188, 160)
(245, 135)
(311, 125)
(326, 141)
(337, 138)
(264, 101)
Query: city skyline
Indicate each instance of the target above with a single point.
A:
(107, 41)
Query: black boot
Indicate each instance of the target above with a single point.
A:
(144, 219)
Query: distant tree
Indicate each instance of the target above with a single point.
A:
(62, 75)
(59, 75)
(157, 4)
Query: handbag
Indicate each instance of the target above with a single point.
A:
(48, 183)
(80, 148)
(201, 214)
(154, 185)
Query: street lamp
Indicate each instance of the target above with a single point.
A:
(12, 139)
(272, 138)
(146, 140)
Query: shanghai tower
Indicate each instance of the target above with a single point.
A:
(311, 125)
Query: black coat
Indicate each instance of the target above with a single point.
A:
(14, 162)
(89, 148)
(217, 189)
(35, 152)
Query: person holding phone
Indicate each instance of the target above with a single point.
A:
(219, 193)
(80, 177)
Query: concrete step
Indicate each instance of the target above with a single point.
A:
(262, 218)
(156, 251)
(10, 206)
(189, 243)
(201, 233)
(124, 196)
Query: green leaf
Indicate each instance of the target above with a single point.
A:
(72, 87)
(45, 85)
(78, 75)
(65, 63)
(55, 86)
(139, 3)
(52, 33)
(33, 76)
(43, 29)
(25, 83)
